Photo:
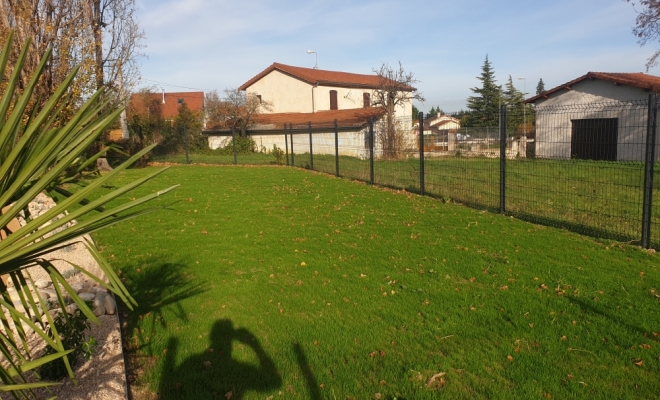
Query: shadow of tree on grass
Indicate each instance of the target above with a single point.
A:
(216, 372)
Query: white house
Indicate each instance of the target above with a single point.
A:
(300, 96)
(598, 116)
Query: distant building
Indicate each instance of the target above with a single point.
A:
(300, 96)
(596, 116)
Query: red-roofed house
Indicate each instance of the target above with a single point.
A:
(599, 116)
(165, 105)
(299, 96)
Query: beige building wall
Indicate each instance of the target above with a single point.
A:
(285, 93)
(586, 100)
(288, 94)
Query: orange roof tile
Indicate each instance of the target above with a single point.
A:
(636, 79)
(351, 117)
(346, 119)
(139, 103)
(321, 77)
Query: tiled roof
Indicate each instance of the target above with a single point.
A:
(352, 118)
(321, 77)
(636, 79)
(168, 110)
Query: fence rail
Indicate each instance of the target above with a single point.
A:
(588, 168)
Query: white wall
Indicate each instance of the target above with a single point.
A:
(554, 115)
(285, 93)
(288, 94)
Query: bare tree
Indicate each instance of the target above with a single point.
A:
(647, 26)
(237, 109)
(102, 37)
(117, 43)
(395, 89)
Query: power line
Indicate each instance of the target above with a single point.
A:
(170, 84)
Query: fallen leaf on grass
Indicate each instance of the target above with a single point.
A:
(638, 363)
(322, 385)
(563, 337)
(504, 287)
(510, 358)
(437, 381)
(207, 364)
(228, 395)
(645, 346)
(303, 264)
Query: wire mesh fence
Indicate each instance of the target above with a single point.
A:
(587, 168)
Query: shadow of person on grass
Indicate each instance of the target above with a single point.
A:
(215, 372)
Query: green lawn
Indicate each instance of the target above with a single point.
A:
(281, 282)
(599, 198)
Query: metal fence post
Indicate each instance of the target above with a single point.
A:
(371, 151)
(503, 137)
(336, 149)
(286, 145)
(291, 132)
(185, 140)
(651, 123)
(233, 140)
(421, 153)
(311, 154)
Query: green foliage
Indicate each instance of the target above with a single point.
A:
(44, 150)
(149, 127)
(485, 104)
(434, 112)
(278, 154)
(540, 87)
(71, 331)
(464, 288)
(244, 145)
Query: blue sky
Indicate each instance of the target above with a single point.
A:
(217, 44)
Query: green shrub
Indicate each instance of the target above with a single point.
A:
(71, 331)
(278, 154)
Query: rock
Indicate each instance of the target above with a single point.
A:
(100, 310)
(87, 290)
(51, 294)
(110, 305)
(45, 295)
(42, 284)
(13, 225)
(99, 305)
(71, 308)
(87, 296)
(77, 287)
(101, 291)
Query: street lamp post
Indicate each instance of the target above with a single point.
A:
(316, 64)
(524, 108)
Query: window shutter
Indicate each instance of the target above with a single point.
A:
(333, 100)
(366, 100)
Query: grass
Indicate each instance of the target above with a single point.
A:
(598, 198)
(281, 282)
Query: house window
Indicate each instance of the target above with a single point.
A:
(259, 97)
(333, 100)
(180, 101)
(594, 138)
(366, 100)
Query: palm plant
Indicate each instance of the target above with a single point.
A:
(40, 152)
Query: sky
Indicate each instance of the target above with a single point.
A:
(219, 44)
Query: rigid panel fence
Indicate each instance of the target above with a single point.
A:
(588, 168)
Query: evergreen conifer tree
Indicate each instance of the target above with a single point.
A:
(485, 104)
(540, 87)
